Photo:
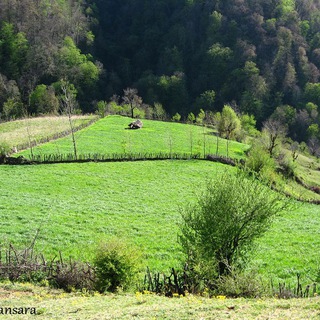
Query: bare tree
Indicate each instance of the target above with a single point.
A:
(68, 103)
(274, 132)
(294, 148)
(314, 146)
(131, 98)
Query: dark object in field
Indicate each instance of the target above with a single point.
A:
(14, 160)
(315, 189)
(136, 124)
(221, 159)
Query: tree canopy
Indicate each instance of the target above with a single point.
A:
(186, 55)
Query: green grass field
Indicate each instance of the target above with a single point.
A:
(76, 205)
(110, 135)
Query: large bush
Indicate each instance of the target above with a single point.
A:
(218, 231)
(260, 162)
(117, 265)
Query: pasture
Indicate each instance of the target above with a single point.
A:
(110, 135)
(75, 205)
(24, 131)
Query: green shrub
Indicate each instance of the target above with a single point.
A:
(176, 117)
(191, 118)
(219, 230)
(259, 160)
(239, 284)
(287, 168)
(102, 108)
(4, 149)
(159, 112)
(114, 108)
(12, 109)
(139, 113)
(116, 264)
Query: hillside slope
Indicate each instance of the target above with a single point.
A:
(111, 135)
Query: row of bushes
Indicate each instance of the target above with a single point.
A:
(115, 265)
(98, 157)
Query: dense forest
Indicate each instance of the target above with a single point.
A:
(262, 57)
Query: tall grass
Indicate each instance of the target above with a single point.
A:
(19, 133)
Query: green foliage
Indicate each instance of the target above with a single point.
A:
(285, 114)
(76, 66)
(312, 92)
(139, 113)
(286, 6)
(173, 92)
(43, 100)
(313, 130)
(13, 51)
(114, 108)
(229, 124)
(206, 100)
(200, 117)
(176, 117)
(102, 108)
(191, 118)
(116, 263)
(259, 160)
(13, 109)
(245, 284)
(248, 124)
(4, 149)
(220, 229)
(159, 112)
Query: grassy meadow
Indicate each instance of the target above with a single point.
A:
(109, 135)
(55, 304)
(75, 205)
(20, 132)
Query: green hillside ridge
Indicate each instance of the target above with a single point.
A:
(110, 135)
(75, 205)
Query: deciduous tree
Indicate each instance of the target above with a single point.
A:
(131, 98)
(232, 212)
(273, 132)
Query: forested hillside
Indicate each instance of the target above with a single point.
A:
(260, 56)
